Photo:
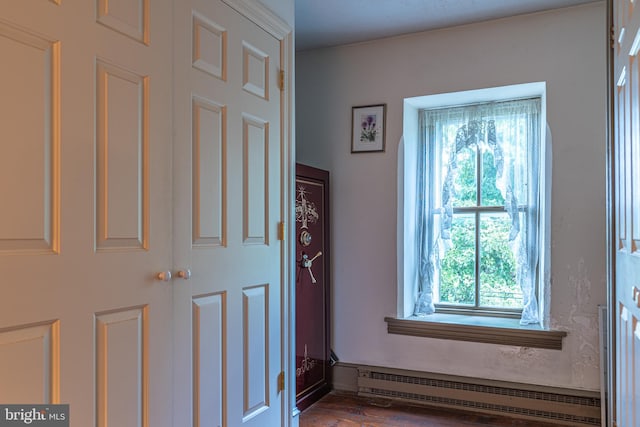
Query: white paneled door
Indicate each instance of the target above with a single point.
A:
(141, 188)
(85, 217)
(626, 215)
(228, 317)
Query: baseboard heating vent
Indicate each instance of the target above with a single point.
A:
(494, 397)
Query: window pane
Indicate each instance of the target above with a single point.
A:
(457, 274)
(491, 196)
(498, 287)
(465, 178)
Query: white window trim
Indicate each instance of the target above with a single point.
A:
(406, 183)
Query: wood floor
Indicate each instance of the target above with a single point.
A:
(349, 411)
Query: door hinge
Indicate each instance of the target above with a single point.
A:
(281, 381)
(613, 37)
(281, 230)
(281, 80)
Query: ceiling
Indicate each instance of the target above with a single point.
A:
(323, 23)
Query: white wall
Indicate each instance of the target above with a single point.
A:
(565, 48)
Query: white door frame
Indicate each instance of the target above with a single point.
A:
(609, 403)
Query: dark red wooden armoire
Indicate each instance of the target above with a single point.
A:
(313, 373)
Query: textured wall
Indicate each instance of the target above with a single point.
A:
(565, 48)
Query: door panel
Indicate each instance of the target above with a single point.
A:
(255, 350)
(209, 359)
(85, 226)
(227, 125)
(22, 353)
(121, 367)
(626, 226)
(209, 199)
(29, 82)
(122, 158)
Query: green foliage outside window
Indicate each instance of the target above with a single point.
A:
(497, 284)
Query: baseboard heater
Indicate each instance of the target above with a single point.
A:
(551, 405)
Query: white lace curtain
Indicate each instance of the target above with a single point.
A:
(510, 130)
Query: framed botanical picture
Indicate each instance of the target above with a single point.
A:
(368, 128)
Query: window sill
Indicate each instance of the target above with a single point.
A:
(480, 329)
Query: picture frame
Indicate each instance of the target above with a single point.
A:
(368, 128)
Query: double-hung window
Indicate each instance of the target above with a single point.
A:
(479, 209)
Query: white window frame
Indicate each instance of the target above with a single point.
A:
(406, 185)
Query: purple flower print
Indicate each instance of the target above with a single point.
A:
(369, 129)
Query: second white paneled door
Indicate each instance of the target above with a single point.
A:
(227, 209)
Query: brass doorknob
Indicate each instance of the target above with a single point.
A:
(165, 276)
(184, 274)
